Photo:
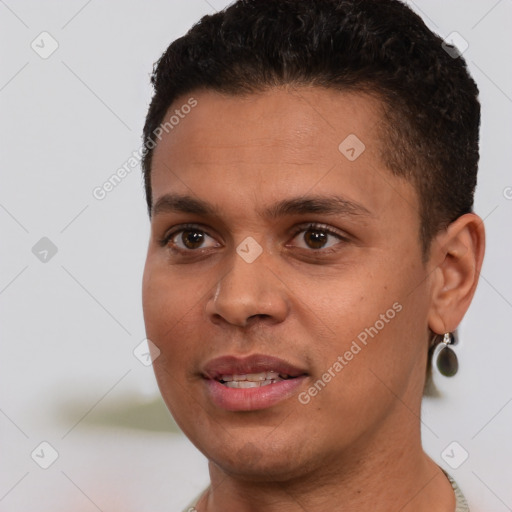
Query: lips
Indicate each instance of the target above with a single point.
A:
(232, 365)
(251, 383)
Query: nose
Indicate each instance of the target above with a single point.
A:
(248, 292)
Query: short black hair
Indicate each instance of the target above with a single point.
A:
(431, 112)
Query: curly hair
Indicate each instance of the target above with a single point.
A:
(431, 113)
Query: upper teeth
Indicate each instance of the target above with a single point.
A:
(251, 380)
(253, 377)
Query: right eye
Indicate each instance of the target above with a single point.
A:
(188, 239)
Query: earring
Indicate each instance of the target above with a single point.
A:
(446, 359)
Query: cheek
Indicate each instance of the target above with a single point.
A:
(167, 301)
(342, 303)
(362, 378)
(376, 323)
(167, 305)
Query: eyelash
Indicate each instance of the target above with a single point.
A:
(323, 228)
(302, 228)
(167, 238)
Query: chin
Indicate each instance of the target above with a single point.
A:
(262, 470)
(261, 462)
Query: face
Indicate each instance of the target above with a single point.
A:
(284, 283)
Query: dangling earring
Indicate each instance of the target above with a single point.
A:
(446, 359)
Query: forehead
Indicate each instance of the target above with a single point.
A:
(281, 141)
(284, 118)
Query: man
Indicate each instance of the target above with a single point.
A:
(310, 170)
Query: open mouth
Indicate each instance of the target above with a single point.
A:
(251, 383)
(252, 380)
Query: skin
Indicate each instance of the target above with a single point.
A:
(356, 444)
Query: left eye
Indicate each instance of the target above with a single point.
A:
(317, 237)
(190, 239)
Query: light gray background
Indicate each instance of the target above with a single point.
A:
(69, 325)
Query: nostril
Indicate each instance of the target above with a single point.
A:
(261, 316)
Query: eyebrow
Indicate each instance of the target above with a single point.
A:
(327, 205)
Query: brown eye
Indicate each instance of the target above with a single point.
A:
(188, 239)
(192, 238)
(315, 238)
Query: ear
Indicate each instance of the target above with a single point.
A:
(456, 259)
